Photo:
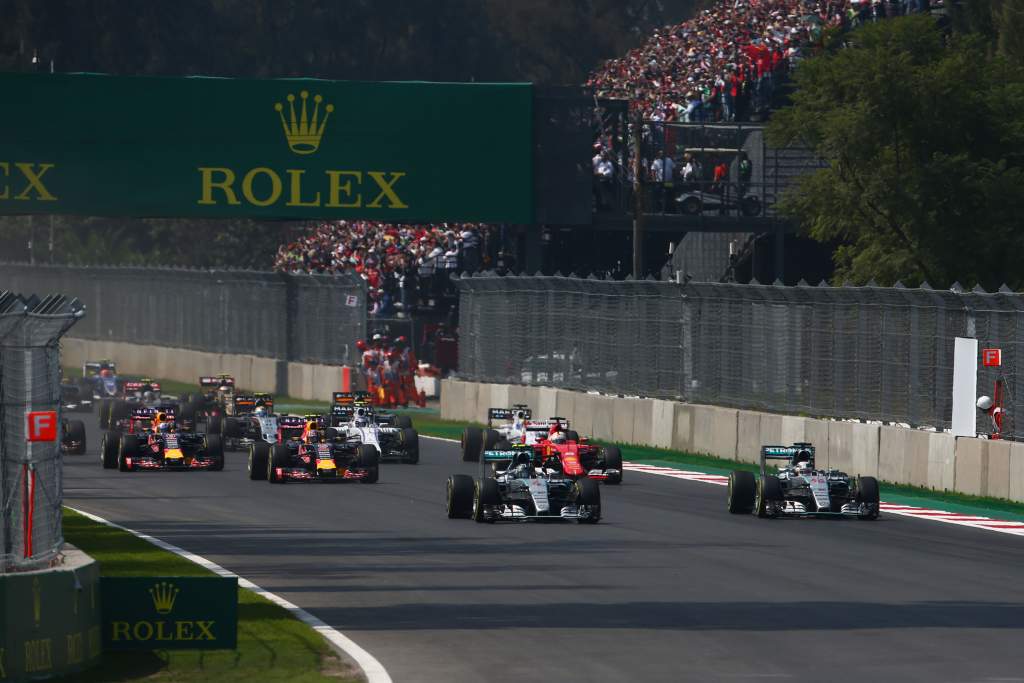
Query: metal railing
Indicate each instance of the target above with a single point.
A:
(867, 353)
(31, 472)
(312, 318)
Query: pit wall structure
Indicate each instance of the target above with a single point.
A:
(898, 455)
(284, 378)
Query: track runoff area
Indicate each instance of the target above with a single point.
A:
(668, 586)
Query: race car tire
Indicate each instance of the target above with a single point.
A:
(867, 494)
(279, 457)
(750, 206)
(485, 492)
(369, 460)
(76, 432)
(690, 206)
(410, 446)
(740, 497)
(259, 456)
(127, 447)
(403, 422)
(105, 413)
(768, 490)
(472, 444)
(572, 435)
(213, 449)
(119, 410)
(461, 490)
(215, 424)
(232, 428)
(108, 449)
(491, 439)
(612, 458)
(588, 495)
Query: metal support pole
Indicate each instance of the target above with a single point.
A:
(638, 205)
(780, 250)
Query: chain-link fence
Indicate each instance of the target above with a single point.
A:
(31, 474)
(848, 352)
(311, 318)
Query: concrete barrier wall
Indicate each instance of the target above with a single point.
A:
(894, 454)
(299, 380)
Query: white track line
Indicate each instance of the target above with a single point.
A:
(1001, 526)
(372, 669)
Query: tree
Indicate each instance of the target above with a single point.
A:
(924, 143)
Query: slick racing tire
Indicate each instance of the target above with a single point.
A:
(279, 457)
(769, 490)
(588, 499)
(104, 413)
(472, 444)
(867, 496)
(690, 206)
(215, 424)
(369, 461)
(119, 410)
(213, 449)
(410, 446)
(187, 412)
(128, 446)
(461, 490)
(403, 422)
(613, 461)
(740, 497)
(491, 439)
(108, 449)
(76, 432)
(485, 493)
(259, 456)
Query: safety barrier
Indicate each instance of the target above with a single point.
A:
(899, 455)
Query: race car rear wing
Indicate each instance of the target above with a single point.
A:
(141, 385)
(226, 380)
(247, 403)
(798, 452)
(91, 368)
(509, 413)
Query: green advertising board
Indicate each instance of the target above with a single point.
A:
(92, 144)
(170, 613)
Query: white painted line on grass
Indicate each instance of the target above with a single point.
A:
(374, 670)
(439, 438)
(975, 521)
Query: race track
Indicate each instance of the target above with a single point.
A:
(668, 587)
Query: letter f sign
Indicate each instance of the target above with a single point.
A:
(42, 426)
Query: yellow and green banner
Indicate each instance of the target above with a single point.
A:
(92, 144)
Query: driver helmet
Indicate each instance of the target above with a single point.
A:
(105, 372)
(360, 417)
(523, 464)
(313, 437)
(361, 345)
(802, 461)
(984, 403)
(400, 341)
(261, 411)
(148, 396)
(557, 437)
(163, 427)
(224, 388)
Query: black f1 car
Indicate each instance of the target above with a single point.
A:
(527, 489)
(72, 439)
(798, 489)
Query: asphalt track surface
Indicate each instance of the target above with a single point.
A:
(668, 587)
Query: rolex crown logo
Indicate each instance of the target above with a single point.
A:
(164, 595)
(303, 132)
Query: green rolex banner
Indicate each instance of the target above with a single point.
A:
(91, 144)
(169, 613)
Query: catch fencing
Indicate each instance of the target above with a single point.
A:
(31, 474)
(867, 353)
(306, 318)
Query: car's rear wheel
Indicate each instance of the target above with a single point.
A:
(108, 449)
(76, 434)
(259, 456)
(119, 410)
(868, 497)
(472, 444)
(104, 417)
(369, 462)
(127, 448)
(612, 458)
(214, 424)
(279, 458)
(460, 491)
(403, 422)
(485, 494)
(690, 206)
(588, 501)
(740, 497)
(410, 446)
(769, 491)
(213, 449)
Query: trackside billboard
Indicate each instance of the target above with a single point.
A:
(274, 149)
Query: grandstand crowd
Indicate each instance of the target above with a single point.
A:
(405, 266)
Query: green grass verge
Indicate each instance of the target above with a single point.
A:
(272, 645)
(432, 425)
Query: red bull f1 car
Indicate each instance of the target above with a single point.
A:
(316, 455)
(154, 444)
